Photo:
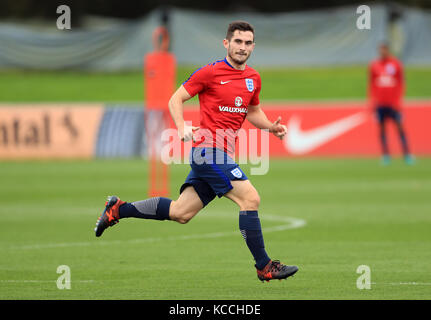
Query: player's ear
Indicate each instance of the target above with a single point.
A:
(226, 43)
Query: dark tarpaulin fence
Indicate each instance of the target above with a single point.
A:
(311, 38)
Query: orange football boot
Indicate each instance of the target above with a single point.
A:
(276, 270)
(110, 216)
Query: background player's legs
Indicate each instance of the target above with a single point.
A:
(382, 114)
(403, 139)
(159, 208)
(248, 200)
(383, 139)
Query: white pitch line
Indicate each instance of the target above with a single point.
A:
(410, 284)
(289, 223)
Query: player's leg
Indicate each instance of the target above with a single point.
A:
(186, 207)
(386, 159)
(181, 210)
(244, 195)
(401, 133)
(219, 175)
(381, 113)
(116, 209)
(195, 194)
(158, 208)
(247, 198)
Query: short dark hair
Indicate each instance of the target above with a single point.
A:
(238, 25)
(384, 43)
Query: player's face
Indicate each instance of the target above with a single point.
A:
(384, 51)
(240, 46)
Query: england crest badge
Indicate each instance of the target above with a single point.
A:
(390, 69)
(236, 173)
(250, 85)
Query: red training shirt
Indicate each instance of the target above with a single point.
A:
(386, 83)
(224, 96)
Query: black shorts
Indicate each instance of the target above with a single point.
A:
(384, 112)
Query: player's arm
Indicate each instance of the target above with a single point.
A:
(258, 118)
(371, 92)
(176, 108)
(401, 84)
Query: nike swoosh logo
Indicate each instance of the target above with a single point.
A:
(300, 142)
(224, 82)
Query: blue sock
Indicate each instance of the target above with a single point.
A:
(249, 225)
(153, 208)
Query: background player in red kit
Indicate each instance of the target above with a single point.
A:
(386, 90)
(228, 94)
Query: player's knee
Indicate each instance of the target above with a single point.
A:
(252, 202)
(256, 201)
(179, 215)
(184, 218)
(180, 218)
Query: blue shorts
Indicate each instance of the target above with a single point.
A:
(384, 112)
(211, 173)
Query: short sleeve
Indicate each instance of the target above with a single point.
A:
(198, 81)
(255, 99)
(400, 72)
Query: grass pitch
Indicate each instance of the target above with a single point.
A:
(356, 212)
(347, 82)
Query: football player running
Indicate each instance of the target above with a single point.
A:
(228, 92)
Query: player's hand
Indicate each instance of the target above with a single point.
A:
(187, 133)
(277, 129)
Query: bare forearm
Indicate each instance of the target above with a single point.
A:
(259, 119)
(176, 109)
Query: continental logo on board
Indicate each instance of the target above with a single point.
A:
(62, 131)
